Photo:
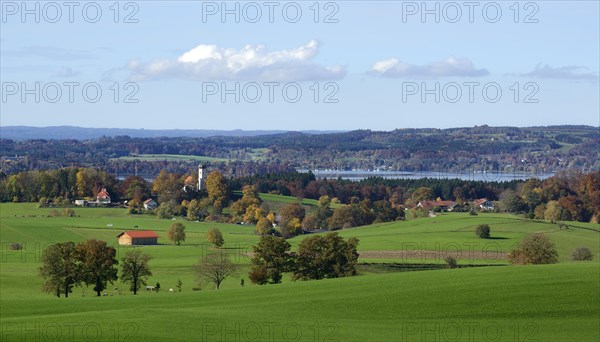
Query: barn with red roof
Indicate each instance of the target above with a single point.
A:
(138, 238)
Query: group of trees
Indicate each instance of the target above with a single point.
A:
(66, 264)
(564, 197)
(318, 257)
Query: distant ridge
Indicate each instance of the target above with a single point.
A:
(84, 133)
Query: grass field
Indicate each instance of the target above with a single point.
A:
(504, 303)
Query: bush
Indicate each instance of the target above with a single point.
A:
(582, 254)
(483, 231)
(68, 212)
(472, 212)
(451, 262)
(535, 249)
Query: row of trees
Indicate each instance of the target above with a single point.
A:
(66, 264)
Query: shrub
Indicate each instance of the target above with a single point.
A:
(535, 249)
(472, 212)
(483, 231)
(451, 262)
(582, 254)
(69, 212)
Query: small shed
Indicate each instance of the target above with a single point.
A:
(138, 238)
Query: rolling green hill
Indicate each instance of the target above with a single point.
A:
(505, 303)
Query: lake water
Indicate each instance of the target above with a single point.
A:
(356, 175)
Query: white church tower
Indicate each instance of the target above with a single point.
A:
(201, 177)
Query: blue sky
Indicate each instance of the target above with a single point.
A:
(378, 65)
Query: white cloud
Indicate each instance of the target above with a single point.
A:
(461, 67)
(253, 63)
(569, 72)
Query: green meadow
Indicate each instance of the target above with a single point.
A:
(501, 303)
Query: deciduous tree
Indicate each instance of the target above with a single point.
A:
(215, 237)
(135, 269)
(271, 259)
(98, 263)
(215, 267)
(176, 233)
(60, 268)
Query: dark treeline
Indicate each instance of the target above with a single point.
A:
(304, 185)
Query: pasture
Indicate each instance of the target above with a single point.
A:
(503, 303)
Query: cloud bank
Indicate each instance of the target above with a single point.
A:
(455, 67)
(569, 72)
(250, 63)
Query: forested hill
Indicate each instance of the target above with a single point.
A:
(483, 148)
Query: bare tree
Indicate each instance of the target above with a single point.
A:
(215, 267)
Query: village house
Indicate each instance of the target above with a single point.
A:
(441, 205)
(189, 184)
(103, 197)
(138, 238)
(484, 204)
(150, 204)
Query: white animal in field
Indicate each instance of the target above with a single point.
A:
(170, 290)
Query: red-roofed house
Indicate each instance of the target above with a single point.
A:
(443, 205)
(189, 183)
(103, 197)
(484, 204)
(138, 237)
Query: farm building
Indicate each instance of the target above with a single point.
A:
(138, 237)
(442, 205)
(484, 204)
(150, 204)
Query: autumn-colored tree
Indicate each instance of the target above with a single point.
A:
(249, 198)
(218, 191)
(98, 263)
(552, 212)
(253, 214)
(291, 211)
(194, 210)
(422, 194)
(264, 226)
(135, 269)
(309, 222)
(215, 237)
(176, 233)
(60, 268)
(168, 186)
